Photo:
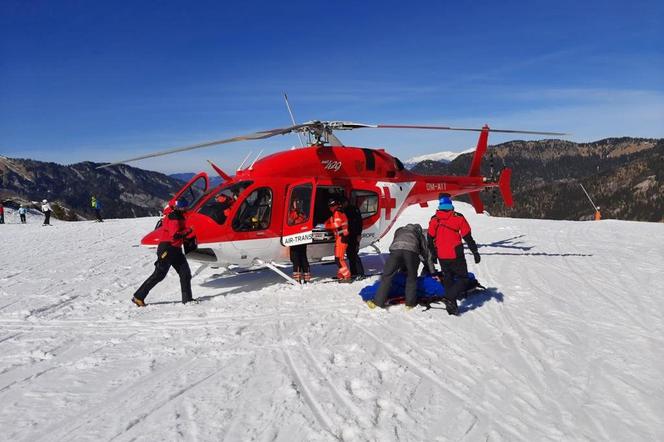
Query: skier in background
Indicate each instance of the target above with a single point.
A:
(2, 214)
(446, 229)
(46, 208)
(96, 205)
(21, 213)
(169, 253)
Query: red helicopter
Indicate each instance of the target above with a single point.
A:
(244, 220)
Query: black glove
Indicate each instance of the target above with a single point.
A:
(477, 257)
(344, 239)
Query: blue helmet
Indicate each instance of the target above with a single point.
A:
(181, 204)
(445, 202)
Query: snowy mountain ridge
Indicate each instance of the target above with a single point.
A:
(444, 157)
(565, 344)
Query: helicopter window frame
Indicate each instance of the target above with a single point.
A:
(303, 192)
(192, 197)
(252, 209)
(214, 209)
(369, 205)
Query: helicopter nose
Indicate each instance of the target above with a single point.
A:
(152, 238)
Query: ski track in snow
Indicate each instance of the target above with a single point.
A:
(566, 343)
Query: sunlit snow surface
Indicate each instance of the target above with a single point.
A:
(567, 344)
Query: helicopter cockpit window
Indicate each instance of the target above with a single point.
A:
(193, 192)
(255, 211)
(366, 201)
(299, 207)
(219, 206)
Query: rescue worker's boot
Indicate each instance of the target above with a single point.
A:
(451, 306)
(138, 302)
(297, 276)
(307, 277)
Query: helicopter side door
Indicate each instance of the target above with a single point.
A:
(193, 190)
(298, 214)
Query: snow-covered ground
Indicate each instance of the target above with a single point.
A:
(567, 343)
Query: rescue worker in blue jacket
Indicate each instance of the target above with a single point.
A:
(169, 253)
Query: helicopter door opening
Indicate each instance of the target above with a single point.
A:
(322, 211)
(299, 219)
(193, 190)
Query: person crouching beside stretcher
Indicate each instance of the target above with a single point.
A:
(338, 223)
(408, 248)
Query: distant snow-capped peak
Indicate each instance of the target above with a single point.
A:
(439, 156)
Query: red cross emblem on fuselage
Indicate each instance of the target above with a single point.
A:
(388, 203)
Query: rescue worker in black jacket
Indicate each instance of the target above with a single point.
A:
(354, 236)
(408, 248)
(169, 253)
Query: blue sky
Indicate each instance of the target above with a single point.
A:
(103, 81)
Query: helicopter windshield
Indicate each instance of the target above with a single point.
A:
(219, 206)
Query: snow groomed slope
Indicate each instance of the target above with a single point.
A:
(566, 344)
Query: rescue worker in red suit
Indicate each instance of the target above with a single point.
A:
(169, 253)
(224, 209)
(446, 230)
(298, 253)
(338, 223)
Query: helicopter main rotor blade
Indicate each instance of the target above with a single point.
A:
(254, 136)
(507, 131)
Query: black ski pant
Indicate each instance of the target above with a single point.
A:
(47, 217)
(398, 260)
(353, 254)
(98, 215)
(455, 277)
(298, 256)
(2, 218)
(22, 218)
(168, 256)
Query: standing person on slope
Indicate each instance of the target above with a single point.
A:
(169, 253)
(96, 206)
(21, 213)
(446, 229)
(46, 208)
(298, 253)
(354, 236)
(338, 223)
(2, 214)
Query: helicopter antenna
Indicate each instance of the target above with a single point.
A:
(257, 157)
(290, 112)
(244, 161)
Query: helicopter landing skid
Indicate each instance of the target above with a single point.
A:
(274, 268)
